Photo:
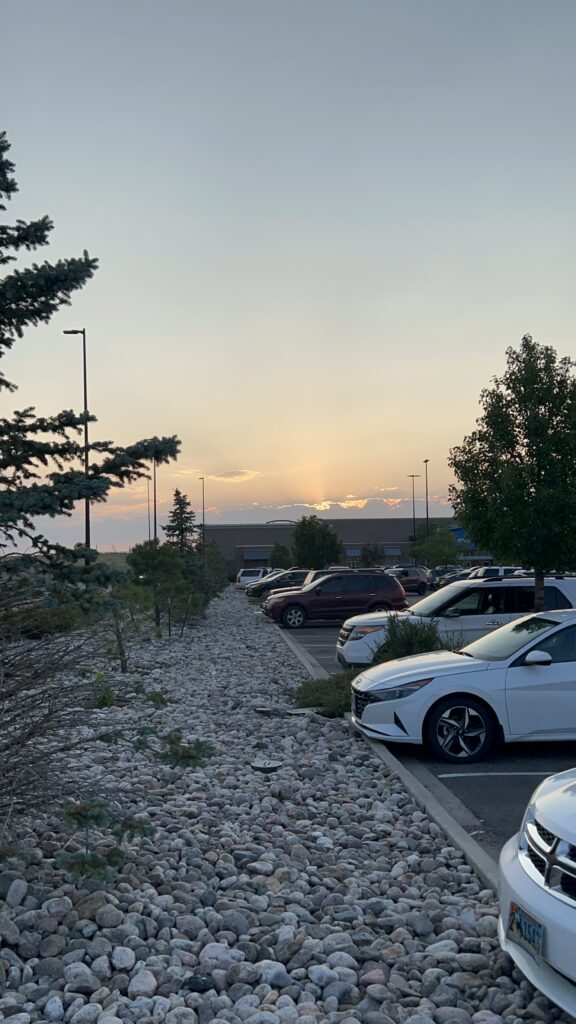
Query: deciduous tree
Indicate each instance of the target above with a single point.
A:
(315, 543)
(516, 473)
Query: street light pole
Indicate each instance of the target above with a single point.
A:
(413, 477)
(203, 523)
(85, 375)
(426, 461)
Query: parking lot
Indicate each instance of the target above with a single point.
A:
(488, 798)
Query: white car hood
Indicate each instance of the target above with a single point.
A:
(555, 804)
(378, 618)
(419, 666)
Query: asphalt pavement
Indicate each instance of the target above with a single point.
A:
(487, 798)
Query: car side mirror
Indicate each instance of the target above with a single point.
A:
(538, 658)
(318, 590)
(450, 613)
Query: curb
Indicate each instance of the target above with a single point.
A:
(484, 865)
(313, 667)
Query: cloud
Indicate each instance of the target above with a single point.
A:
(185, 472)
(385, 488)
(235, 476)
(392, 502)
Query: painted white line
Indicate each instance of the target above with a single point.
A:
(487, 775)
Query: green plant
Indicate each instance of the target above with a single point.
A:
(331, 697)
(190, 755)
(104, 694)
(144, 732)
(405, 638)
(157, 698)
(99, 857)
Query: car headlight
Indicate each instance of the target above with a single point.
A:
(528, 819)
(362, 631)
(406, 690)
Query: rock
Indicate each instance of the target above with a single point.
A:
(274, 973)
(142, 984)
(54, 1009)
(80, 978)
(9, 932)
(16, 894)
(123, 958)
(108, 916)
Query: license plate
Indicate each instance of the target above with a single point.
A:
(525, 930)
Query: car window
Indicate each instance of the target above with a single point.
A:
(356, 584)
(554, 598)
(332, 586)
(561, 645)
(487, 601)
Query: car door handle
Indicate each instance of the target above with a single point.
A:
(495, 622)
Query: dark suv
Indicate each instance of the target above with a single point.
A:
(289, 580)
(337, 597)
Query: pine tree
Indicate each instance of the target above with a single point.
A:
(181, 528)
(41, 471)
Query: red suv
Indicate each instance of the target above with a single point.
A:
(336, 597)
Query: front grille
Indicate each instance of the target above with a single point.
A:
(550, 861)
(538, 861)
(568, 886)
(361, 700)
(545, 834)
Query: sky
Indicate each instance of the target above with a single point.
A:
(320, 224)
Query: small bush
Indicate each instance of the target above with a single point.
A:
(405, 638)
(330, 696)
(104, 694)
(186, 755)
(158, 699)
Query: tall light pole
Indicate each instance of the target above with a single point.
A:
(87, 499)
(203, 522)
(413, 477)
(426, 461)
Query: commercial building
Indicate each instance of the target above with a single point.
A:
(244, 545)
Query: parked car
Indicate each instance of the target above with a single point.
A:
(537, 925)
(438, 571)
(313, 575)
(484, 572)
(335, 597)
(454, 577)
(414, 578)
(289, 579)
(517, 683)
(463, 612)
(246, 576)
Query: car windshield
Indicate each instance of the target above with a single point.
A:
(505, 642)
(430, 605)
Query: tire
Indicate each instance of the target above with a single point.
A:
(421, 588)
(293, 617)
(459, 730)
(380, 608)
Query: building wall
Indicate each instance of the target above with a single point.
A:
(251, 544)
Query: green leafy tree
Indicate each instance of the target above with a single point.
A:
(181, 528)
(280, 557)
(372, 554)
(440, 547)
(315, 543)
(516, 473)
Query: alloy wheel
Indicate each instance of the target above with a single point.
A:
(461, 731)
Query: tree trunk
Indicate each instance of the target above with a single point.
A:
(538, 590)
(120, 643)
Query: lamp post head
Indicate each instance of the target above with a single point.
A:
(74, 332)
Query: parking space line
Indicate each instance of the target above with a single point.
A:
(486, 775)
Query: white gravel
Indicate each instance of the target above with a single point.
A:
(319, 892)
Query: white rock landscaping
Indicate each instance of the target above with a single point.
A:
(318, 892)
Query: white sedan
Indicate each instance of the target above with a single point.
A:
(537, 925)
(518, 683)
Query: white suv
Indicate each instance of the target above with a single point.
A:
(537, 925)
(246, 576)
(463, 612)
